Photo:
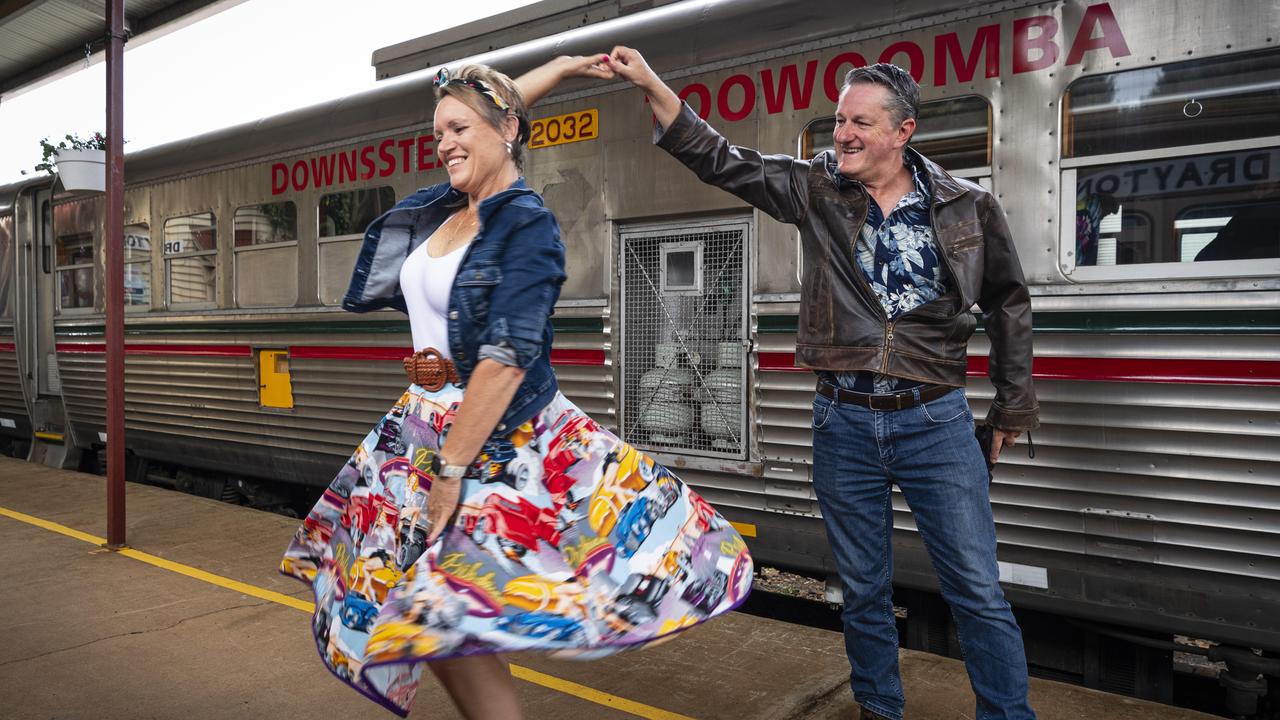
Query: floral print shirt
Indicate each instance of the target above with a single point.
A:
(898, 255)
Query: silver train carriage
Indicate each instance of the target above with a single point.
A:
(1133, 145)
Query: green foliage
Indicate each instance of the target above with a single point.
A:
(282, 218)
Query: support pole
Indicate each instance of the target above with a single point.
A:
(115, 274)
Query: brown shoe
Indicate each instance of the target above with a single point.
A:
(871, 715)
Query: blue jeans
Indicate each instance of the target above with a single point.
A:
(930, 453)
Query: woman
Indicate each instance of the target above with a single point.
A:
(500, 517)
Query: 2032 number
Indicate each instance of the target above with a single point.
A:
(561, 129)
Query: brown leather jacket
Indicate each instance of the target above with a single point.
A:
(842, 325)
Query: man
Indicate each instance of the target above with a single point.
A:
(896, 252)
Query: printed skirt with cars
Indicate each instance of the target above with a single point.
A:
(566, 540)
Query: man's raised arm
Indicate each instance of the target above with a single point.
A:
(777, 184)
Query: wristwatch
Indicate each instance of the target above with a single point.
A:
(441, 470)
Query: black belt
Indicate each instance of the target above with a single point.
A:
(887, 401)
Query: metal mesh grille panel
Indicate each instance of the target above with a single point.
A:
(684, 338)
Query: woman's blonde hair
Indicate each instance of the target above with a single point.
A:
(500, 85)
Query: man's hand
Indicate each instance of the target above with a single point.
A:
(1001, 439)
(630, 65)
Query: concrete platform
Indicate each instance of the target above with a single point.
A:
(164, 631)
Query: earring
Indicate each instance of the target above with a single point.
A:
(508, 148)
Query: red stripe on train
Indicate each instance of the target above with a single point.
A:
(1163, 370)
(1153, 370)
(206, 350)
(586, 358)
(346, 352)
(8, 347)
(343, 352)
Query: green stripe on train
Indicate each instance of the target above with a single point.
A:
(215, 327)
(1197, 322)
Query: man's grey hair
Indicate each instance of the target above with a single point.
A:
(904, 92)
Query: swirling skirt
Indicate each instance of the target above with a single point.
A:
(566, 540)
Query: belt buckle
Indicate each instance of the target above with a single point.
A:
(883, 401)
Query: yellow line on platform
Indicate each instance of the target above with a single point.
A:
(523, 673)
(595, 696)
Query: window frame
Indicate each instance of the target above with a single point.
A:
(146, 259)
(258, 246)
(666, 250)
(1211, 269)
(9, 224)
(238, 250)
(166, 258)
(59, 269)
(323, 240)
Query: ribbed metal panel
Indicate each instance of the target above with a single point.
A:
(339, 401)
(336, 402)
(589, 386)
(1180, 475)
(12, 404)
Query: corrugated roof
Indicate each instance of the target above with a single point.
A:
(42, 39)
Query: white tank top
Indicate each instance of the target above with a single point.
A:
(426, 283)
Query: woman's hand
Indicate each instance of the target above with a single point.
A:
(535, 84)
(630, 65)
(488, 395)
(442, 502)
(594, 66)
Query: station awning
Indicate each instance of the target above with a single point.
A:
(41, 40)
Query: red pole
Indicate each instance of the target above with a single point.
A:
(115, 274)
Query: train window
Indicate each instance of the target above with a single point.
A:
(955, 133)
(6, 265)
(74, 265)
(1190, 103)
(348, 213)
(191, 260)
(266, 252)
(682, 268)
(137, 265)
(1176, 171)
(266, 223)
(343, 218)
(1233, 231)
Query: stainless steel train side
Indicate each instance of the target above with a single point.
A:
(1153, 499)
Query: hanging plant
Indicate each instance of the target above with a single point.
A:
(48, 161)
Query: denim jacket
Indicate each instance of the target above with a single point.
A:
(503, 295)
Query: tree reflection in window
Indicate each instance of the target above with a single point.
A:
(349, 213)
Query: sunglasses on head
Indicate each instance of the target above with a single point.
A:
(444, 79)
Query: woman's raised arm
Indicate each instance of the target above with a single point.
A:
(535, 84)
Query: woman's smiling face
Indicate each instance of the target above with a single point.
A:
(473, 152)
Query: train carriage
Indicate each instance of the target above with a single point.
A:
(1132, 144)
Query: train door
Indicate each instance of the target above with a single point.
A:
(34, 316)
(15, 423)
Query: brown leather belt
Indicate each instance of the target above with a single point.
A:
(887, 401)
(430, 370)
